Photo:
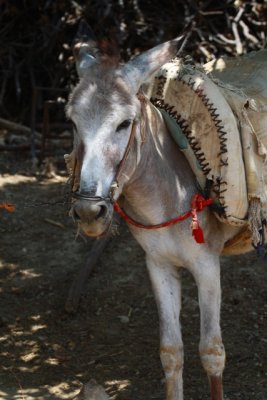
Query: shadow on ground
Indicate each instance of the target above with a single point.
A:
(46, 353)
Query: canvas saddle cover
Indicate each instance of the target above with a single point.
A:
(217, 114)
(243, 82)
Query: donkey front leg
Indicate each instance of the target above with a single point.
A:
(167, 289)
(207, 276)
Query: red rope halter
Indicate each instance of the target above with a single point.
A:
(198, 203)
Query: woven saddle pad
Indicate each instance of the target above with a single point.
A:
(203, 124)
(243, 82)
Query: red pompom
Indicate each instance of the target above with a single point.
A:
(196, 230)
(198, 235)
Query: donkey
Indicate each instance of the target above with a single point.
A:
(125, 157)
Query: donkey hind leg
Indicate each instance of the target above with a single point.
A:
(167, 290)
(207, 276)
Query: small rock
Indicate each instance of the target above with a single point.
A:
(92, 391)
(124, 319)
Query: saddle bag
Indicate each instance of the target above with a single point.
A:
(217, 114)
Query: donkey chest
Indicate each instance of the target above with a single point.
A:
(173, 246)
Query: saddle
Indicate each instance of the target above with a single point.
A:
(217, 114)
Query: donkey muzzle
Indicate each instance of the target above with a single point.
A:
(93, 214)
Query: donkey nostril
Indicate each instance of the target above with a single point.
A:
(102, 211)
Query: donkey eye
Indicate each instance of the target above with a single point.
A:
(125, 124)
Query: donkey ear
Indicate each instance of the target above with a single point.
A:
(142, 67)
(85, 48)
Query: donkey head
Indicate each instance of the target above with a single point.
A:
(103, 108)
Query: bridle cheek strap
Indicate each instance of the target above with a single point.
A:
(198, 204)
(127, 151)
(115, 184)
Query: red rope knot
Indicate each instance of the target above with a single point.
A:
(197, 204)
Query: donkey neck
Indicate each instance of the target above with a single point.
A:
(162, 183)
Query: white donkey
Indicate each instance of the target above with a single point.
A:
(124, 154)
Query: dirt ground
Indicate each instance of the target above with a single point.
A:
(46, 353)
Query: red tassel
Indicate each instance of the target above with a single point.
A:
(198, 235)
(197, 232)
